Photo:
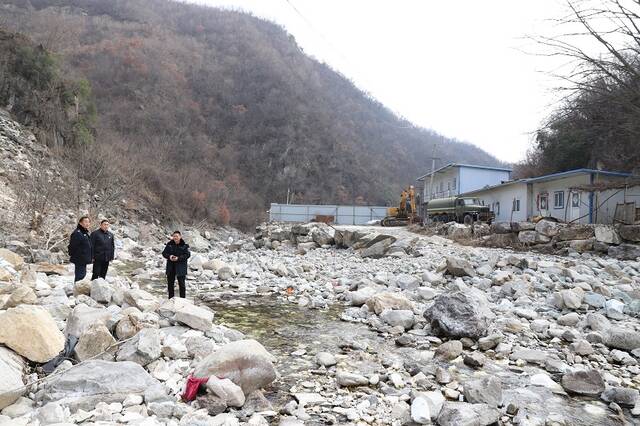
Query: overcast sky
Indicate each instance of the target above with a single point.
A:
(457, 67)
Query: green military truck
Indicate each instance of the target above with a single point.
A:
(458, 209)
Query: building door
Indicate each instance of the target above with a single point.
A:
(575, 206)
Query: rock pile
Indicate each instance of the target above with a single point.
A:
(444, 334)
(125, 354)
(620, 241)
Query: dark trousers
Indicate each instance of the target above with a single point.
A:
(171, 280)
(100, 268)
(80, 271)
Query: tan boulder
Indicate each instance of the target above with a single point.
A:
(94, 341)
(82, 287)
(51, 269)
(14, 259)
(31, 332)
(5, 275)
(22, 295)
(386, 300)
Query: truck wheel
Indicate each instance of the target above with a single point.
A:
(468, 219)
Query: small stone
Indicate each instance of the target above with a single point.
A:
(326, 359)
(449, 350)
(346, 379)
(443, 376)
(475, 360)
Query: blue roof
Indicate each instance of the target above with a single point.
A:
(552, 176)
(576, 172)
(471, 166)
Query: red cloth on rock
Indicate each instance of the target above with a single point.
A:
(192, 386)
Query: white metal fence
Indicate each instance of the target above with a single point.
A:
(342, 215)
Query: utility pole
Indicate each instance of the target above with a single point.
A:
(433, 169)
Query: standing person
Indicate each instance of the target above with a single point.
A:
(80, 250)
(176, 252)
(104, 248)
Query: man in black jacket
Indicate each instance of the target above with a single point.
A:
(176, 252)
(80, 250)
(103, 250)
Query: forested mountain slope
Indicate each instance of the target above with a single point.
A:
(218, 112)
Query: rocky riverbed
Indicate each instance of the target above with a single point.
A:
(358, 325)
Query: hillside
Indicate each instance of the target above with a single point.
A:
(218, 113)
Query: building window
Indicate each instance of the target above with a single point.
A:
(543, 202)
(441, 186)
(497, 211)
(575, 199)
(558, 200)
(516, 205)
(454, 184)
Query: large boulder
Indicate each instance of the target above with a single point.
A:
(31, 332)
(621, 338)
(501, 228)
(459, 231)
(12, 258)
(144, 348)
(196, 241)
(532, 237)
(548, 228)
(386, 300)
(378, 249)
(459, 314)
(11, 372)
(102, 291)
(464, 414)
(487, 390)
(22, 295)
(132, 321)
(583, 382)
(185, 312)
(576, 232)
(607, 234)
(398, 318)
(367, 240)
(142, 300)
(94, 341)
(630, 232)
(322, 235)
(227, 391)
(98, 381)
(460, 267)
(82, 317)
(360, 297)
(625, 251)
(245, 362)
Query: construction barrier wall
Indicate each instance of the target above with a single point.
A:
(342, 215)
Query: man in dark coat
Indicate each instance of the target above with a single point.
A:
(80, 250)
(176, 252)
(104, 248)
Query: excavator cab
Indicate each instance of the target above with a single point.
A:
(405, 213)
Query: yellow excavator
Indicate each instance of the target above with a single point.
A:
(406, 213)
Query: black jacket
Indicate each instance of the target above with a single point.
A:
(103, 245)
(80, 250)
(179, 267)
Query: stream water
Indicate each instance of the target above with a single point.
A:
(294, 334)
